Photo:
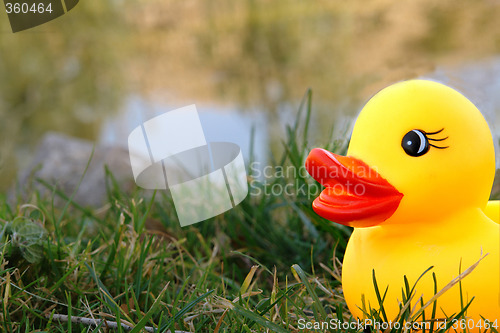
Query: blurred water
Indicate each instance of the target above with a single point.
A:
(478, 81)
(220, 124)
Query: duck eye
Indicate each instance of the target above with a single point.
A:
(415, 143)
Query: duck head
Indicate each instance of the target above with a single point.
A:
(419, 150)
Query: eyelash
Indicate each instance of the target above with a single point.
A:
(427, 134)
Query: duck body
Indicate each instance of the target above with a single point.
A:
(392, 254)
(415, 186)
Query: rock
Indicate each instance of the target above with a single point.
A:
(61, 160)
(495, 192)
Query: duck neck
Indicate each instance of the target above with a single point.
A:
(429, 226)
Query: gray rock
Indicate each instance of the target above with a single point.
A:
(496, 186)
(61, 160)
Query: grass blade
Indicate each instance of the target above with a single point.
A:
(319, 311)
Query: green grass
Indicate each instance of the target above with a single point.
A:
(262, 267)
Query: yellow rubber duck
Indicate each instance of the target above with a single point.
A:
(415, 187)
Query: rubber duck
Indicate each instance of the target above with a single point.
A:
(415, 186)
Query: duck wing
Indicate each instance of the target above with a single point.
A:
(492, 210)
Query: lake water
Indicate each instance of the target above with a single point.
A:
(220, 124)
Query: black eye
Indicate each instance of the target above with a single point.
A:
(415, 143)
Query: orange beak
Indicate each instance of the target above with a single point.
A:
(355, 195)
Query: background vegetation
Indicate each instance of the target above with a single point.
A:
(270, 264)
